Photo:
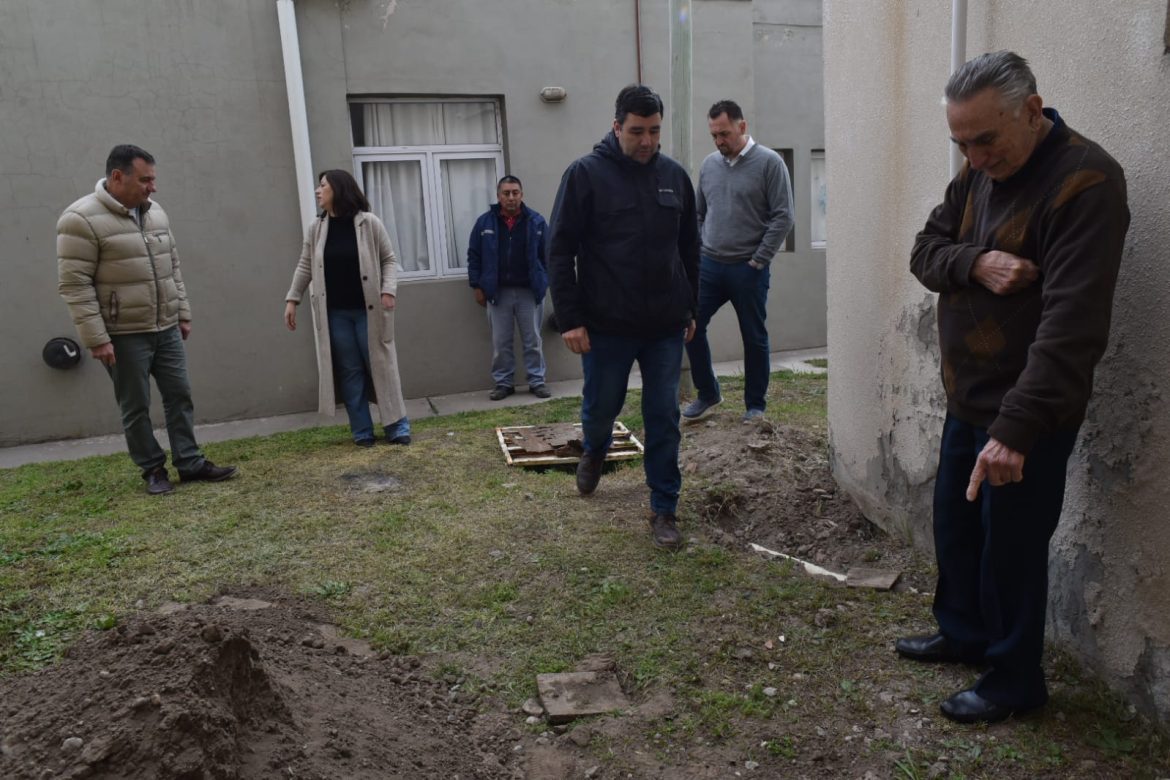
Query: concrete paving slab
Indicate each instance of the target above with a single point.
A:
(416, 409)
(567, 696)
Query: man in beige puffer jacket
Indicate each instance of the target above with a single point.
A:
(119, 273)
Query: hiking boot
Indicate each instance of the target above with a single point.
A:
(589, 472)
(664, 532)
(540, 391)
(501, 392)
(404, 440)
(210, 473)
(158, 481)
(698, 407)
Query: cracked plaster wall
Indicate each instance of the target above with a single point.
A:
(1104, 68)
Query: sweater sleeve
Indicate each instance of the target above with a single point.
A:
(567, 228)
(386, 258)
(1080, 256)
(939, 260)
(779, 203)
(304, 270)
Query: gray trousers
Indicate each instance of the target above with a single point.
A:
(516, 306)
(138, 356)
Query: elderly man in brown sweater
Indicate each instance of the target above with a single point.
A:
(1024, 252)
(118, 270)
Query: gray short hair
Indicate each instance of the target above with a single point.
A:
(1004, 71)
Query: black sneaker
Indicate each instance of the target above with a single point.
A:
(158, 481)
(363, 442)
(501, 392)
(540, 391)
(404, 440)
(589, 472)
(664, 532)
(210, 473)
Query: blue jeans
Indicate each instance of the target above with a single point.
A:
(137, 357)
(992, 554)
(349, 343)
(747, 289)
(607, 374)
(516, 305)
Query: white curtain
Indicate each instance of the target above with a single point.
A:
(469, 187)
(395, 192)
(429, 124)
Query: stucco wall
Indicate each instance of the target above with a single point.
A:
(1105, 69)
(201, 85)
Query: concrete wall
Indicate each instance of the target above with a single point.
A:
(201, 86)
(1105, 69)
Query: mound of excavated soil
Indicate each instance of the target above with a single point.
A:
(242, 688)
(771, 485)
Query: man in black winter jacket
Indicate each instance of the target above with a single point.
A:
(623, 271)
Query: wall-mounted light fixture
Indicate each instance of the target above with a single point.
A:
(553, 94)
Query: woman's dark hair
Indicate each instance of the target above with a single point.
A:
(348, 198)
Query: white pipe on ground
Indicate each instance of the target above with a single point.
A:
(297, 115)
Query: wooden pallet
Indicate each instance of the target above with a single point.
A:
(550, 445)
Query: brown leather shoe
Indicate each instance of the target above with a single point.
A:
(589, 472)
(664, 532)
(210, 473)
(158, 481)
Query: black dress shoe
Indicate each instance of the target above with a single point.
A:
(934, 648)
(589, 473)
(211, 473)
(969, 707)
(157, 481)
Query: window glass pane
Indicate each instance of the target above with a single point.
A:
(402, 124)
(820, 198)
(470, 123)
(395, 191)
(469, 188)
(425, 124)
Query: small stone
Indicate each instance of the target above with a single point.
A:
(533, 707)
(581, 736)
(750, 765)
(140, 703)
(936, 770)
(744, 654)
(72, 744)
(770, 692)
(211, 634)
(532, 720)
(164, 647)
(595, 771)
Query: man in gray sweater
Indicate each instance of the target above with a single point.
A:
(744, 205)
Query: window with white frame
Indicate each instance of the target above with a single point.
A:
(820, 198)
(428, 167)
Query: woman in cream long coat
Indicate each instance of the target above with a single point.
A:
(353, 283)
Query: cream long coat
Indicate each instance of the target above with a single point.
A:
(379, 269)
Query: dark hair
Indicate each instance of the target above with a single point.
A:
(508, 179)
(729, 107)
(122, 158)
(636, 99)
(1004, 71)
(348, 199)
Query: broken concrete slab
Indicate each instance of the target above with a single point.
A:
(231, 602)
(567, 696)
(877, 579)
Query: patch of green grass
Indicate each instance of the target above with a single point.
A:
(818, 362)
(495, 574)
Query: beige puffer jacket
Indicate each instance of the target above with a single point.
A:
(116, 277)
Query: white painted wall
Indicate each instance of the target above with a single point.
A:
(1104, 67)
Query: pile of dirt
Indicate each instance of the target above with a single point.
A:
(254, 687)
(771, 485)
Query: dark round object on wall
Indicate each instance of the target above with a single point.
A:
(61, 353)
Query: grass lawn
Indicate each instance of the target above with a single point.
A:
(496, 574)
